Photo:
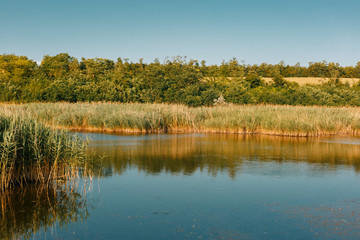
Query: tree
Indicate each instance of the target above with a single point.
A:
(96, 67)
(16, 68)
(279, 81)
(357, 70)
(254, 80)
(59, 65)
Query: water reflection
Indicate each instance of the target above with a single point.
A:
(188, 153)
(148, 198)
(27, 210)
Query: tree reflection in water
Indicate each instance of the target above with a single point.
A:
(215, 153)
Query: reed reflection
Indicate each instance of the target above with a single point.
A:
(27, 210)
(216, 153)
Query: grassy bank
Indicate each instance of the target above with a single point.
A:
(257, 119)
(33, 152)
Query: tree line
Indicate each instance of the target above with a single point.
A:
(177, 80)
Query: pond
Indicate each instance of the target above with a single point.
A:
(201, 186)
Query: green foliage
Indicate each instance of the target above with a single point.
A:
(254, 80)
(279, 81)
(16, 68)
(63, 78)
(96, 68)
(59, 65)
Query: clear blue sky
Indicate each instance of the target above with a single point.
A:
(255, 31)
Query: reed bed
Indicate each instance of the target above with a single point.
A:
(32, 152)
(154, 118)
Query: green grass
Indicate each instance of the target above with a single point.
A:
(134, 117)
(32, 152)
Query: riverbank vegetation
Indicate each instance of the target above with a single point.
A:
(223, 118)
(176, 81)
(31, 152)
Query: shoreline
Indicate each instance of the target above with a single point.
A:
(191, 131)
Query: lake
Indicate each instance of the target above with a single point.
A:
(201, 186)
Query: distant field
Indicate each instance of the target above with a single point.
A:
(301, 80)
(316, 80)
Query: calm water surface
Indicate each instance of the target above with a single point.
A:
(200, 186)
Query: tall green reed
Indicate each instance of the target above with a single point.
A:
(33, 152)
